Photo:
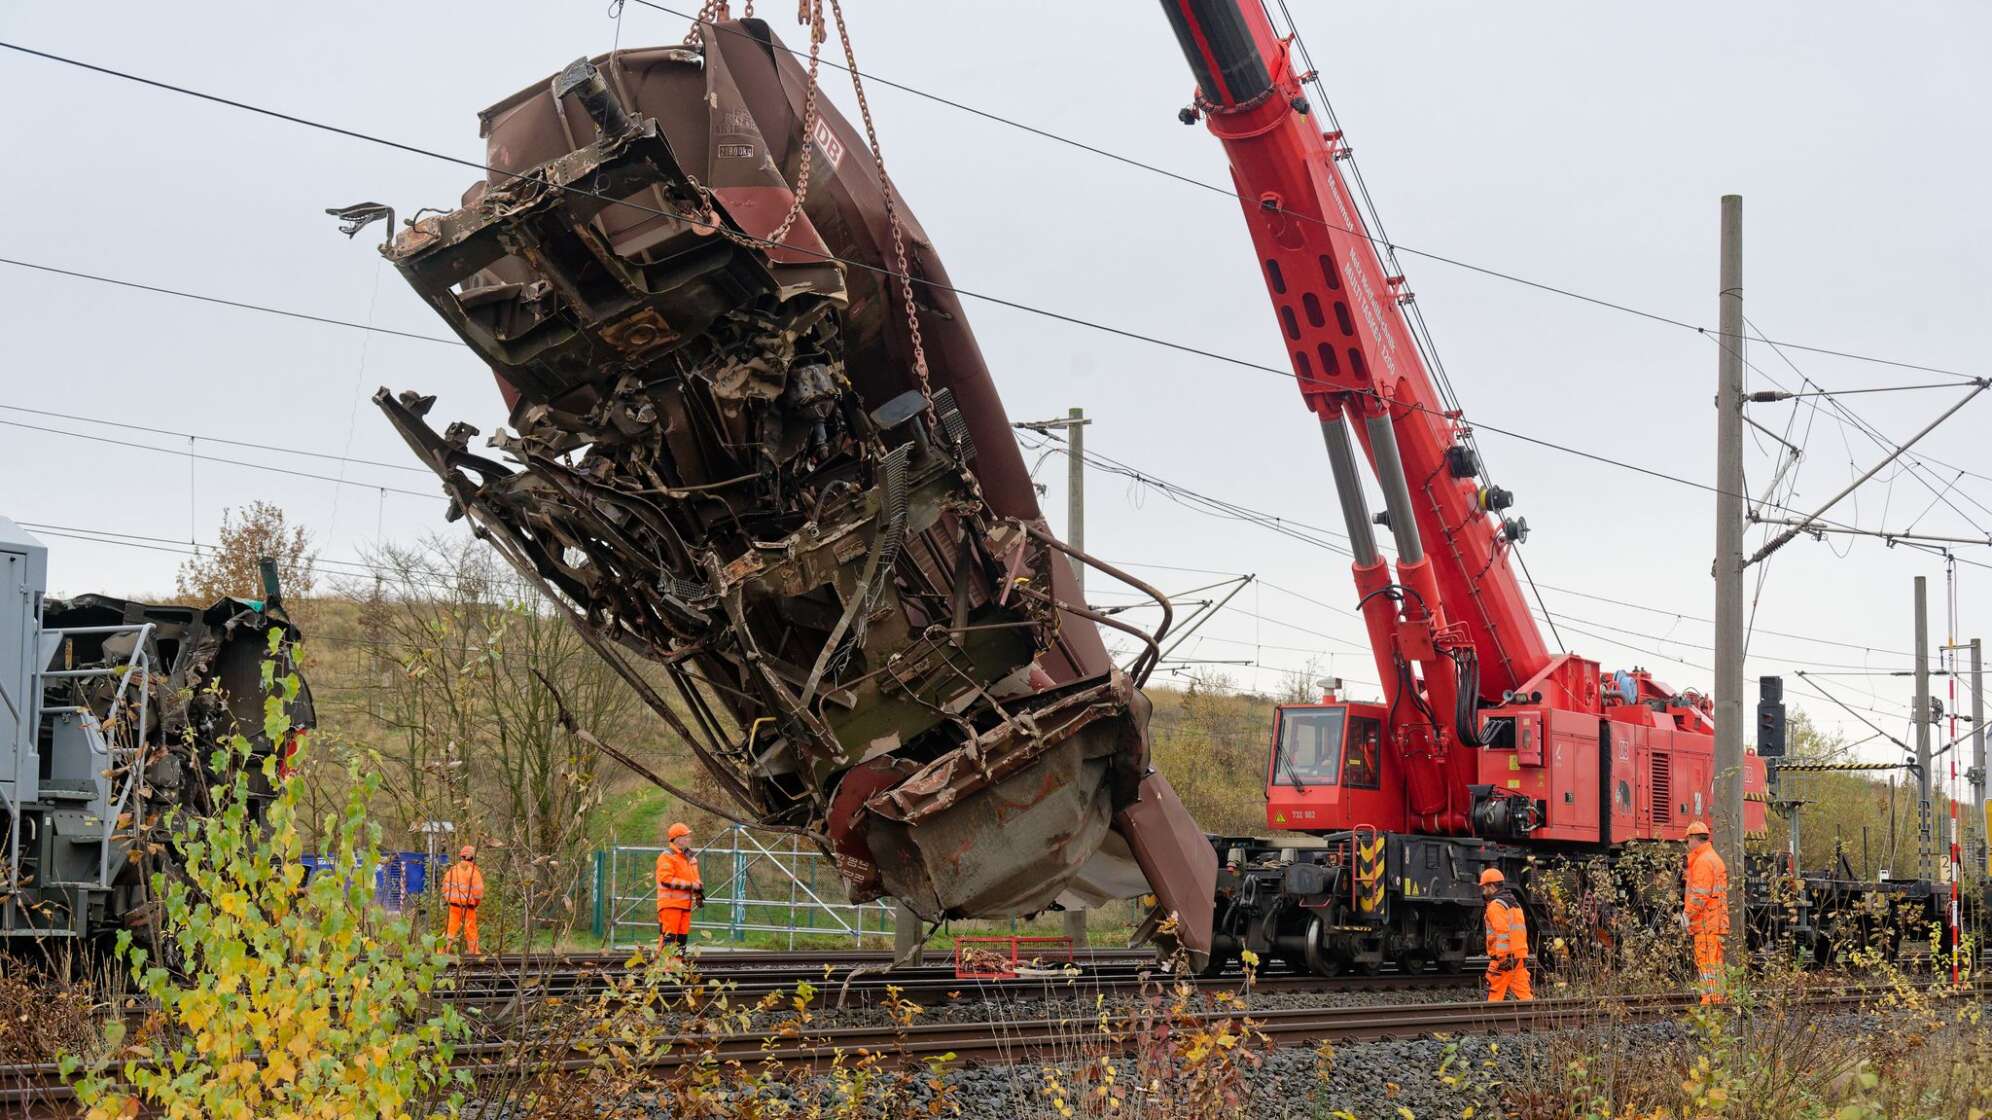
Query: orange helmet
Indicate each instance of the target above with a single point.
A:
(1492, 875)
(677, 830)
(468, 852)
(1697, 828)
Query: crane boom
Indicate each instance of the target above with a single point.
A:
(1536, 757)
(1353, 355)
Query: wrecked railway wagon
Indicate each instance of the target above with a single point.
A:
(753, 442)
(111, 712)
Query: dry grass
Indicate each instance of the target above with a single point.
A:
(599, 1056)
(1916, 1048)
(44, 1013)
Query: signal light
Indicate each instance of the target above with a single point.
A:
(1770, 717)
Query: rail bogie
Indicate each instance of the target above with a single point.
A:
(1361, 901)
(1356, 901)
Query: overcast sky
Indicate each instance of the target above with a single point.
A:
(1577, 144)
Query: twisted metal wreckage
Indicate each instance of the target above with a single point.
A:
(756, 444)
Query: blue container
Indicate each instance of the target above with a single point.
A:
(415, 871)
(400, 876)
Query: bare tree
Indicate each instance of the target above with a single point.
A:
(233, 566)
(1302, 685)
(460, 654)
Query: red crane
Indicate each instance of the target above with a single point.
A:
(1483, 733)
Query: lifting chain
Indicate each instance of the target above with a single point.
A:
(808, 12)
(712, 11)
(905, 274)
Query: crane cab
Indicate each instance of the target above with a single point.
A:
(1326, 770)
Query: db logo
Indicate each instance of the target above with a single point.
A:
(827, 143)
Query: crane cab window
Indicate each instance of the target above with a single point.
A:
(1309, 749)
(1362, 764)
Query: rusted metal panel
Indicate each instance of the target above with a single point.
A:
(724, 459)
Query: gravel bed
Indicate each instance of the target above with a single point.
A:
(1079, 999)
(1063, 999)
(1386, 1079)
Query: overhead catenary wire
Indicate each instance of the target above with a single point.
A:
(413, 149)
(219, 459)
(1278, 524)
(278, 448)
(1378, 240)
(418, 575)
(239, 305)
(829, 257)
(1314, 535)
(971, 295)
(717, 227)
(1321, 537)
(436, 579)
(1846, 416)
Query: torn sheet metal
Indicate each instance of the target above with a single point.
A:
(723, 459)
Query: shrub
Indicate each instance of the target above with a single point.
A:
(285, 999)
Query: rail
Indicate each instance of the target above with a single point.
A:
(1007, 1042)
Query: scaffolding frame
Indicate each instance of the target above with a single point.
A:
(745, 880)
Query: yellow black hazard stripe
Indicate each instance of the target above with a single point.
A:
(1369, 875)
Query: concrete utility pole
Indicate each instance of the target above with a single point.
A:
(1075, 492)
(1921, 714)
(1074, 425)
(1977, 774)
(905, 934)
(1728, 807)
(1075, 535)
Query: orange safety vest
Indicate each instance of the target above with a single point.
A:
(1507, 928)
(677, 878)
(463, 884)
(1707, 902)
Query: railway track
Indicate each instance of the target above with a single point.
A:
(1087, 1038)
(754, 960)
(38, 1089)
(837, 982)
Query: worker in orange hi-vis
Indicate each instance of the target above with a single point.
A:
(679, 889)
(1705, 910)
(463, 889)
(1507, 939)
